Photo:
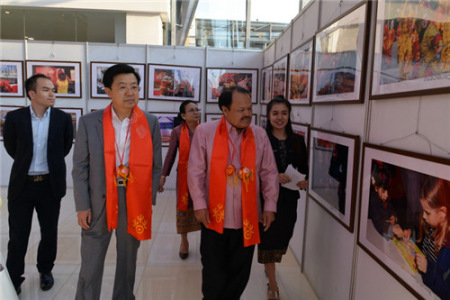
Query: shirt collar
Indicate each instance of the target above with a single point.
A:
(116, 118)
(233, 130)
(46, 114)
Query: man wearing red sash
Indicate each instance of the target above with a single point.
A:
(229, 161)
(116, 172)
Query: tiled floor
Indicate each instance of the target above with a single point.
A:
(160, 274)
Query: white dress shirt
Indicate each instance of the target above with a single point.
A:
(39, 165)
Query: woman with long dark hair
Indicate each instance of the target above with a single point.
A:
(181, 138)
(289, 149)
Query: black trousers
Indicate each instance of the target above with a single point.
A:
(36, 196)
(226, 264)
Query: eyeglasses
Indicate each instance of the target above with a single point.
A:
(125, 89)
(193, 110)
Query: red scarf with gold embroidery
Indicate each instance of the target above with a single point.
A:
(185, 146)
(218, 183)
(139, 189)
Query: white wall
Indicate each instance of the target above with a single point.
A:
(161, 7)
(142, 29)
(336, 267)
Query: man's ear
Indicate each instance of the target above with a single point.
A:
(31, 94)
(224, 108)
(108, 92)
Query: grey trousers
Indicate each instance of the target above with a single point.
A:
(94, 244)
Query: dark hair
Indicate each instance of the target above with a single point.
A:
(111, 72)
(280, 100)
(381, 175)
(226, 97)
(62, 76)
(178, 120)
(30, 83)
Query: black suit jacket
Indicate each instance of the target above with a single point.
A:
(18, 141)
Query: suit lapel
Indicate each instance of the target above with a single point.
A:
(51, 128)
(28, 126)
(99, 125)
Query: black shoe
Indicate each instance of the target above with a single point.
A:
(183, 256)
(47, 281)
(17, 283)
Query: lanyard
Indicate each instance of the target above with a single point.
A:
(125, 144)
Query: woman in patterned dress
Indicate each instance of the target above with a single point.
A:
(181, 138)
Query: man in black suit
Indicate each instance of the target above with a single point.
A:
(38, 138)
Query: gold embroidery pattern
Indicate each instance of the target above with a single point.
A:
(248, 229)
(140, 224)
(219, 213)
(185, 199)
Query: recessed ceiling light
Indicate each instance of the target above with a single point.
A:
(7, 12)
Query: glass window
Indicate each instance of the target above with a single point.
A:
(279, 11)
(223, 24)
(220, 24)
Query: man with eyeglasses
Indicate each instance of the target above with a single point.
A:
(116, 172)
(38, 138)
(229, 163)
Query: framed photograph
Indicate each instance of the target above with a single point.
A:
(166, 125)
(66, 76)
(4, 109)
(266, 84)
(166, 82)
(333, 173)
(262, 121)
(300, 74)
(220, 79)
(97, 70)
(303, 130)
(411, 50)
(11, 78)
(75, 113)
(399, 192)
(280, 77)
(212, 117)
(340, 51)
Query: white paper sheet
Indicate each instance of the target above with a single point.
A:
(295, 177)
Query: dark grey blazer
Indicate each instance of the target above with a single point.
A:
(89, 180)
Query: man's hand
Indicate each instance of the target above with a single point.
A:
(267, 218)
(84, 218)
(202, 215)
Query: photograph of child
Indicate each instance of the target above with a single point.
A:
(409, 211)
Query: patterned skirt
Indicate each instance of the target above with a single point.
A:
(186, 221)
